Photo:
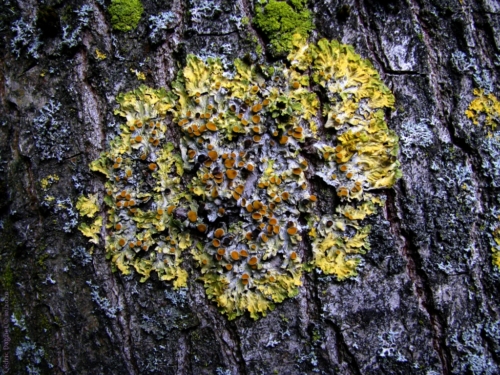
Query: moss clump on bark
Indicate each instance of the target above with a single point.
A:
(280, 20)
(125, 14)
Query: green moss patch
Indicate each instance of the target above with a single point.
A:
(280, 20)
(125, 14)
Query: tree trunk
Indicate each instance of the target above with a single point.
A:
(424, 299)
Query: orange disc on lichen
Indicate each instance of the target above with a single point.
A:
(256, 216)
(253, 261)
(276, 229)
(213, 155)
(216, 242)
(296, 171)
(231, 174)
(243, 253)
(138, 139)
(215, 193)
(257, 108)
(228, 163)
(211, 126)
(265, 102)
(292, 231)
(250, 167)
(192, 216)
(245, 276)
(343, 192)
(221, 251)
(244, 282)
(122, 242)
(202, 228)
(349, 175)
(343, 168)
(313, 198)
(170, 209)
(285, 195)
(236, 196)
(264, 238)
(293, 255)
(257, 205)
(239, 189)
(219, 232)
(296, 85)
(152, 166)
(235, 255)
(273, 221)
(118, 226)
(191, 154)
(229, 267)
(256, 119)
(283, 140)
(244, 122)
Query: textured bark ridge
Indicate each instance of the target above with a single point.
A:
(423, 301)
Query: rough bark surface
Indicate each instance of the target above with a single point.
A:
(425, 301)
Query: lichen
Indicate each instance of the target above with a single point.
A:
(496, 248)
(125, 14)
(47, 182)
(88, 207)
(235, 193)
(99, 55)
(281, 20)
(485, 109)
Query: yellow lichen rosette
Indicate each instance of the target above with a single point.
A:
(234, 192)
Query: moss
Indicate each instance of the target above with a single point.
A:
(125, 14)
(280, 20)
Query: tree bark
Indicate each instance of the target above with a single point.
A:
(425, 300)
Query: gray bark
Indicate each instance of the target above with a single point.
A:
(425, 301)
